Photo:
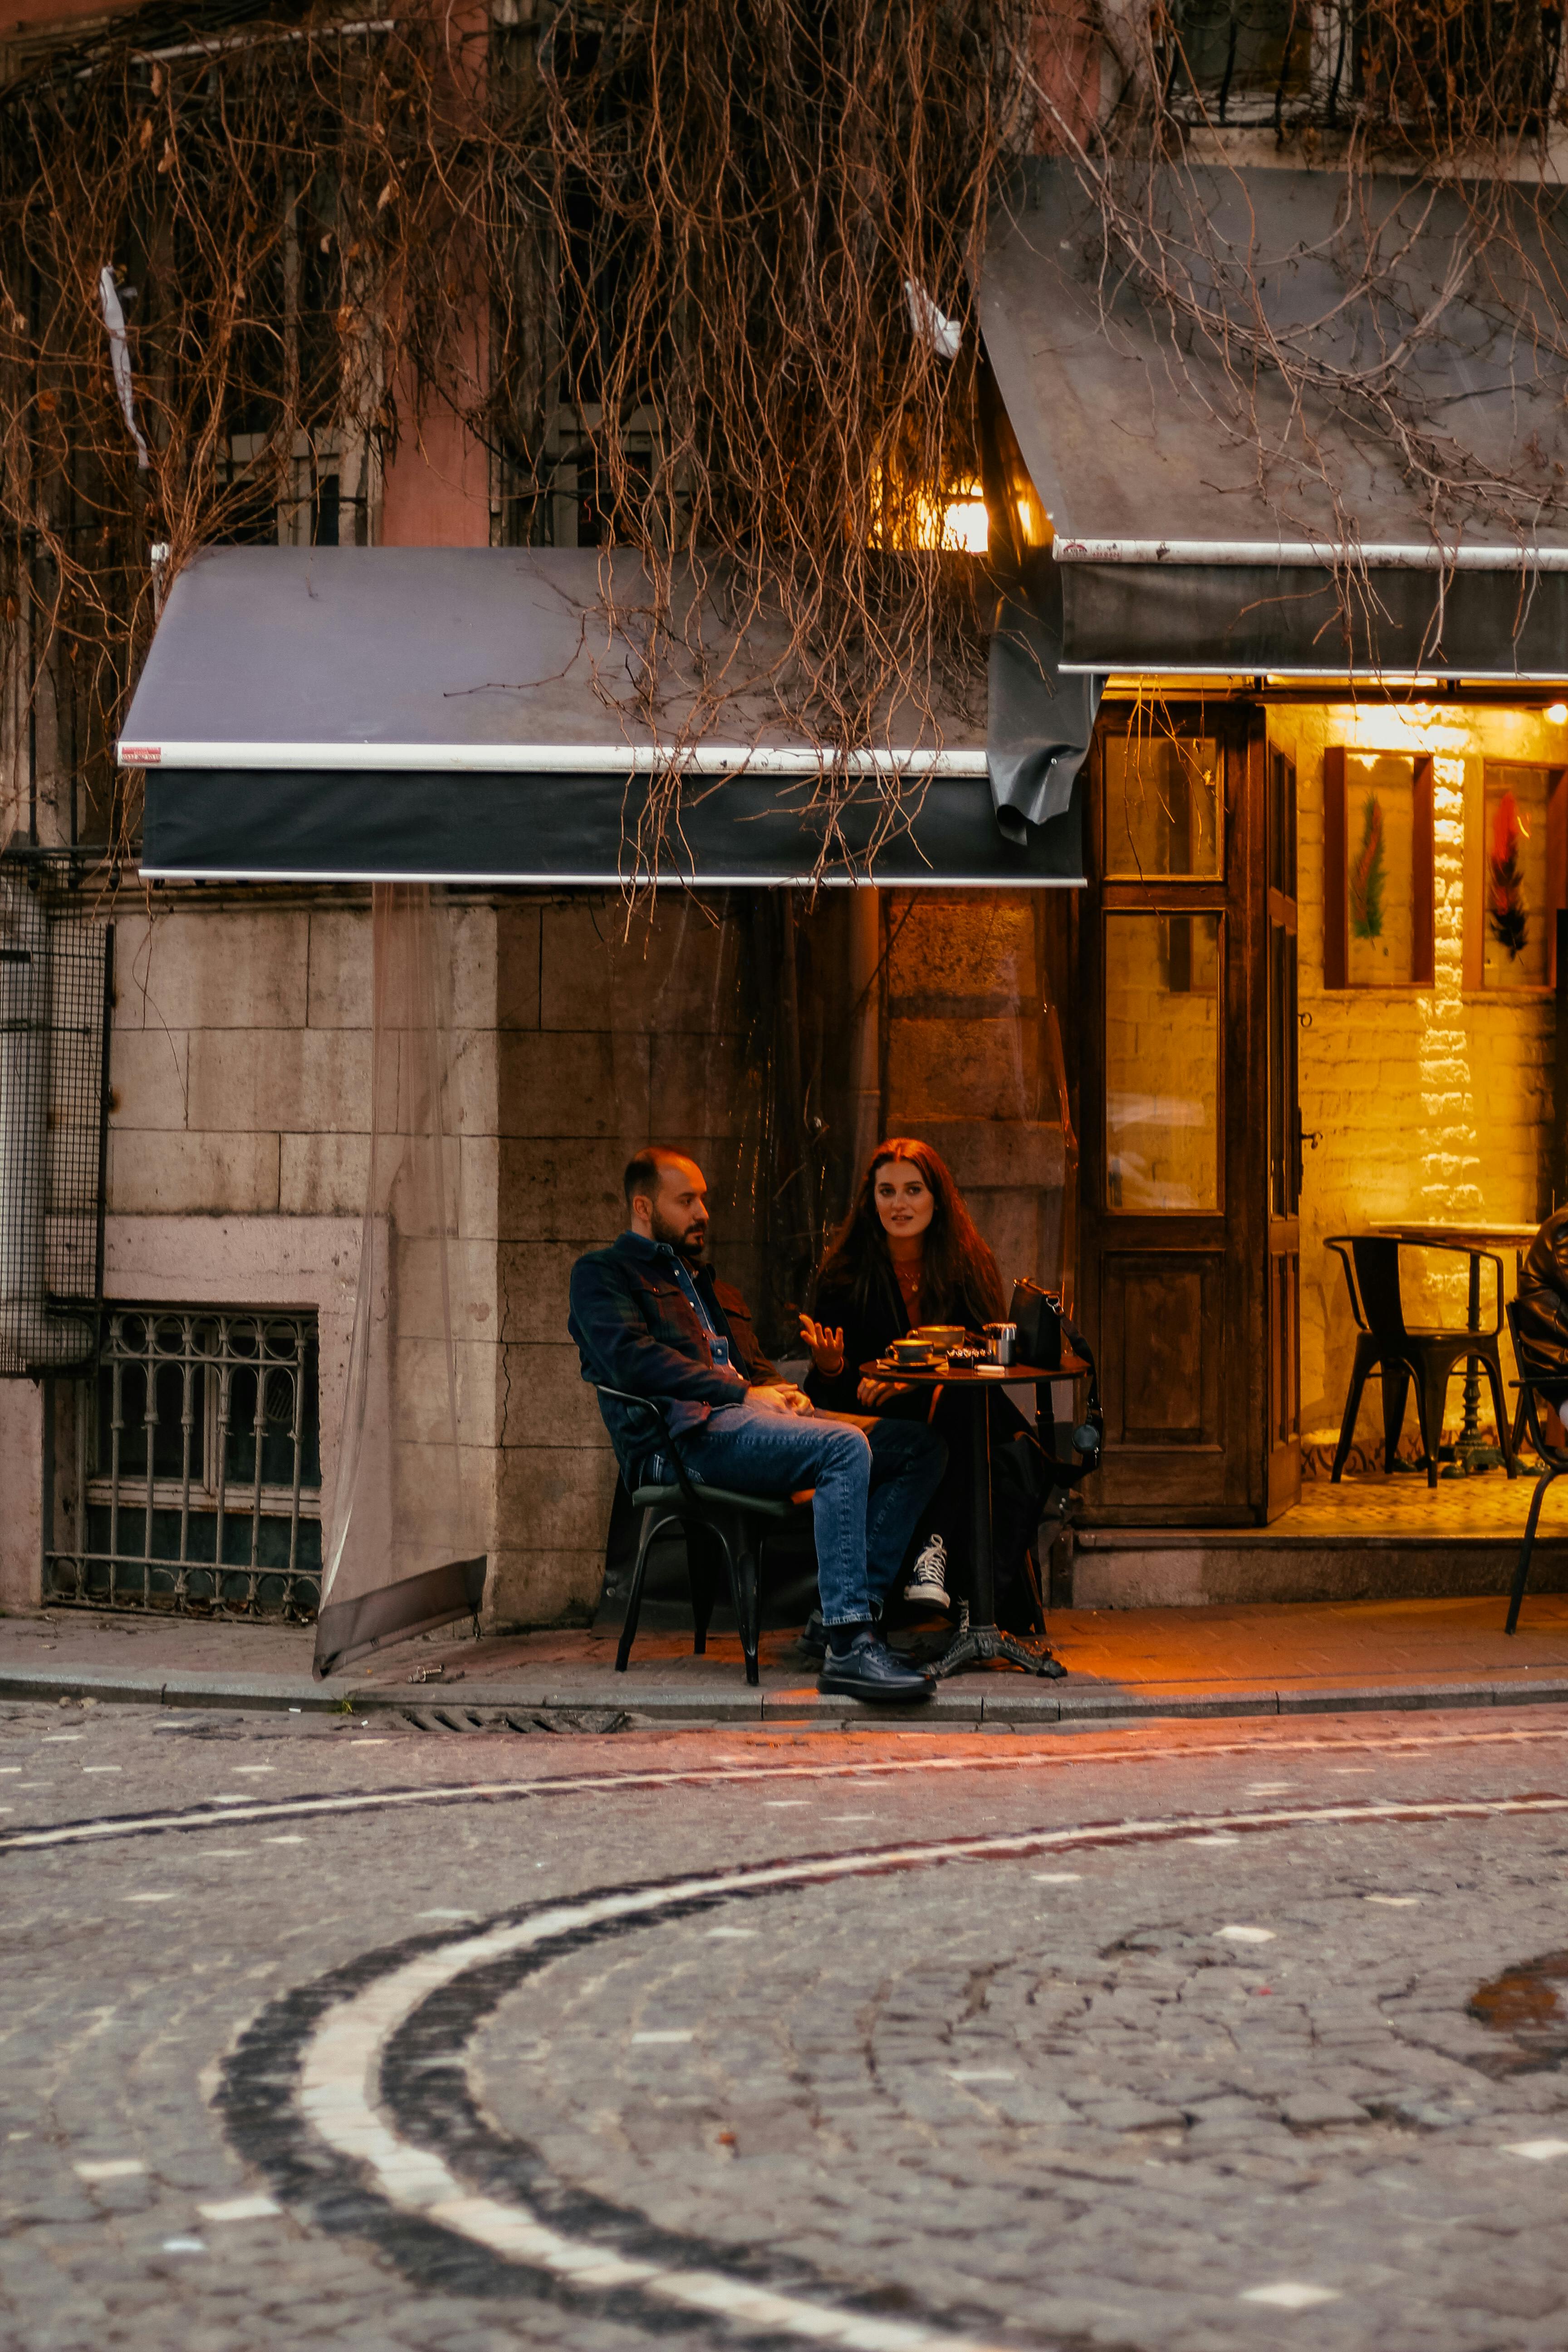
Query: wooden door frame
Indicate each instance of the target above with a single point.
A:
(1223, 1483)
(1280, 899)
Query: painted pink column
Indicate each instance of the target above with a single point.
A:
(436, 485)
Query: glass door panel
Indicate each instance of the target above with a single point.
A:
(1163, 994)
(1162, 808)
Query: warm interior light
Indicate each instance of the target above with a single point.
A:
(954, 521)
(967, 525)
(1558, 713)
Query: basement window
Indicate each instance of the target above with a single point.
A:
(197, 1484)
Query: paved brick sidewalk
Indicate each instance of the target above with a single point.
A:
(1303, 1657)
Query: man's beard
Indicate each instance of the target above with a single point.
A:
(687, 1239)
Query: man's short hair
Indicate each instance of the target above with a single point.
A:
(643, 1171)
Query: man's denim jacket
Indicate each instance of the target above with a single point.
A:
(637, 1330)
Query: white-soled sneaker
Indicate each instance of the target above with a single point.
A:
(926, 1586)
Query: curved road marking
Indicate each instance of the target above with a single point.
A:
(204, 1817)
(340, 2077)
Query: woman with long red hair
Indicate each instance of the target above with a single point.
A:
(908, 1254)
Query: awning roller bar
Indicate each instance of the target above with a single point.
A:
(718, 760)
(1343, 555)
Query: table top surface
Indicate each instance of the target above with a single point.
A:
(1483, 1236)
(939, 1376)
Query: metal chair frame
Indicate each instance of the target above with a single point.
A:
(708, 1517)
(1428, 1358)
(1555, 1457)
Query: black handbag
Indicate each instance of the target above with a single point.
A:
(1042, 1326)
(1038, 1315)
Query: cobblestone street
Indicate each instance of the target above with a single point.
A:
(319, 2035)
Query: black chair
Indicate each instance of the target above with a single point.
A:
(715, 1522)
(1555, 1457)
(1386, 1345)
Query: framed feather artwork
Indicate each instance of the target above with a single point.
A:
(1513, 877)
(1378, 930)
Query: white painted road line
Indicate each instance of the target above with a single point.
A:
(277, 1809)
(339, 2074)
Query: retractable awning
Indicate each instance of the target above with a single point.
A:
(1217, 512)
(468, 715)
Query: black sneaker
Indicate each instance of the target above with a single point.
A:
(869, 1670)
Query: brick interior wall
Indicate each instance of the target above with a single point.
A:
(1431, 1103)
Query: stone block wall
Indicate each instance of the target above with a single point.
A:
(1430, 1104)
(613, 1034)
(967, 1060)
(240, 1116)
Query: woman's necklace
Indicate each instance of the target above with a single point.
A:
(908, 1272)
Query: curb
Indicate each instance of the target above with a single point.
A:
(1002, 1700)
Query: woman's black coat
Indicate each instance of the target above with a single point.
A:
(869, 1326)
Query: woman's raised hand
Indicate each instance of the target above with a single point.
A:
(826, 1347)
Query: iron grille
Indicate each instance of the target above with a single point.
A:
(198, 1484)
(55, 982)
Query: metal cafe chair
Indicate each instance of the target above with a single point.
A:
(712, 1519)
(1386, 1345)
(1555, 1457)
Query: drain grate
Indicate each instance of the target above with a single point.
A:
(504, 1718)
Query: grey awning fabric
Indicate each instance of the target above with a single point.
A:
(408, 824)
(469, 715)
(1211, 518)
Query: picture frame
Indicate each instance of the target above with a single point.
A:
(1379, 897)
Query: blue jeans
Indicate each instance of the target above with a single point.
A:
(871, 1489)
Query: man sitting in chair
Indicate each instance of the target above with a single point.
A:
(650, 1316)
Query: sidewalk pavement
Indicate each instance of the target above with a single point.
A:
(1317, 1657)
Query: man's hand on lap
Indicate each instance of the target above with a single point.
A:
(781, 1396)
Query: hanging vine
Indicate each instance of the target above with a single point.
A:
(703, 272)
(704, 269)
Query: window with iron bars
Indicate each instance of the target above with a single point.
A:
(1459, 67)
(198, 1470)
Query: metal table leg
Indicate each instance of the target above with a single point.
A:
(1470, 1451)
(982, 1640)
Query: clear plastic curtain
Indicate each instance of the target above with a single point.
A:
(399, 1550)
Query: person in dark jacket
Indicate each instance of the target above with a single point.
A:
(1540, 1309)
(650, 1316)
(908, 1254)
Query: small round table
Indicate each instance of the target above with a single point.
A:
(981, 1641)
